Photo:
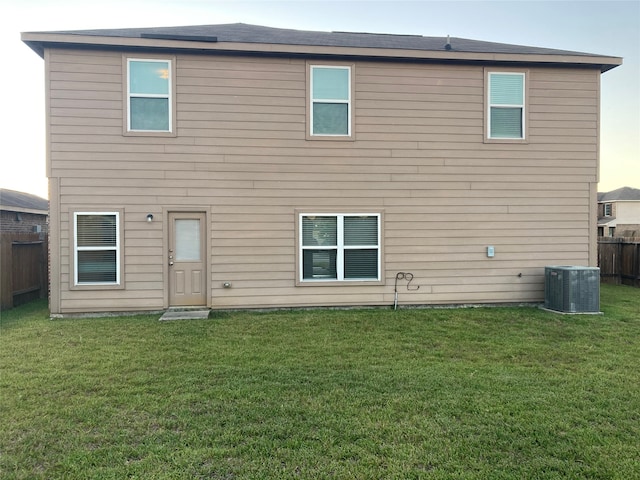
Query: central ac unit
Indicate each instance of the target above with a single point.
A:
(570, 289)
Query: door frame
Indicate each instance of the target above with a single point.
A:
(165, 249)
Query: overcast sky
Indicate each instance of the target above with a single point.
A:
(602, 27)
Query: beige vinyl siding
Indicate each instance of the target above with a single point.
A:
(240, 154)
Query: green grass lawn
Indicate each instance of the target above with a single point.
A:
(479, 393)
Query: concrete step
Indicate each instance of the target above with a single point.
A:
(185, 314)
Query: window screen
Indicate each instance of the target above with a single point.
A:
(506, 105)
(96, 248)
(149, 95)
(340, 247)
(330, 100)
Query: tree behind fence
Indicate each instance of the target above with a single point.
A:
(24, 260)
(619, 260)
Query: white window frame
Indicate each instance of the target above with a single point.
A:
(340, 248)
(521, 106)
(168, 96)
(608, 209)
(77, 249)
(312, 101)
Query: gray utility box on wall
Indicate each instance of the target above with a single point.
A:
(570, 289)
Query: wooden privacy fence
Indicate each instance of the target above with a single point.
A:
(619, 260)
(24, 261)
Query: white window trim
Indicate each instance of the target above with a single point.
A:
(609, 209)
(340, 248)
(77, 249)
(312, 101)
(168, 96)
(522, 106)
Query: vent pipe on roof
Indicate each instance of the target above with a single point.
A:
(448, 45)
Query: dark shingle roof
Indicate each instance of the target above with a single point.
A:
(624, 193)
(244, 33)
(10, 199)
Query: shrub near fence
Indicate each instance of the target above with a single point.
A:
(23, 268)
(619, 260)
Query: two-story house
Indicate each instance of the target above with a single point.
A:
(239, 166)
(619, 213)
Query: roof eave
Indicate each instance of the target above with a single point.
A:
(39, 41)
(13, 208)
(615, 200)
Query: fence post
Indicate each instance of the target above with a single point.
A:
(619, 261)
(635, 269)
(6, 272)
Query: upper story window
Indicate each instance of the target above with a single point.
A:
(330, 100)
(342, 247)
(149, 95)
(607, 210)
(506, 106)
(97, 248)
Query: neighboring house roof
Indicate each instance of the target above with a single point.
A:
(607, 222)
(624, 194)
(254, 38)
(620, 194)
(13, 201)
